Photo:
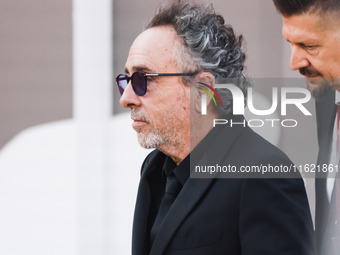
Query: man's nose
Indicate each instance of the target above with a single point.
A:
(298, 58)
(129, 98)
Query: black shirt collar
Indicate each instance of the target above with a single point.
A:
(182, 171)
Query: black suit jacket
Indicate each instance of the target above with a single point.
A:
(325, 116)
(228, 216)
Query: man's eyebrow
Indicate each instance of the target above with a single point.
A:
(143, 69)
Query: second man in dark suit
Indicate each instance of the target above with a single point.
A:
(312, 27)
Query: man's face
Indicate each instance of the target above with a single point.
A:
(315, 50)
(161, 117)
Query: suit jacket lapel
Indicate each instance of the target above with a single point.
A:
(140, 240)
(325, 115)
(194, 189)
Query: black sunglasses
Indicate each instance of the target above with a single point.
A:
(139, 81)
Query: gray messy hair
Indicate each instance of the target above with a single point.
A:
(208, 44)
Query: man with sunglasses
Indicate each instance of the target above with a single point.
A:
(312, 27)
(185, 47)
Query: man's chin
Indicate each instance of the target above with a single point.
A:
(315, 83)
(149, 140)
(318, 87)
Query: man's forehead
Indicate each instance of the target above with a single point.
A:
(151, 48)
(155, 38)
(302, 27)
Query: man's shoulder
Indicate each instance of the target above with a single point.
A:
(253, 151)
(260, 146)
(247, 144)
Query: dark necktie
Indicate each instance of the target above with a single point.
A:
(172, 188)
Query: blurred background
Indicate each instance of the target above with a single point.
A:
(69, 159)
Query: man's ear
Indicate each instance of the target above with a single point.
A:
(207, 79)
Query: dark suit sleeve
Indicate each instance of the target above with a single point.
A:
(275, 218)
